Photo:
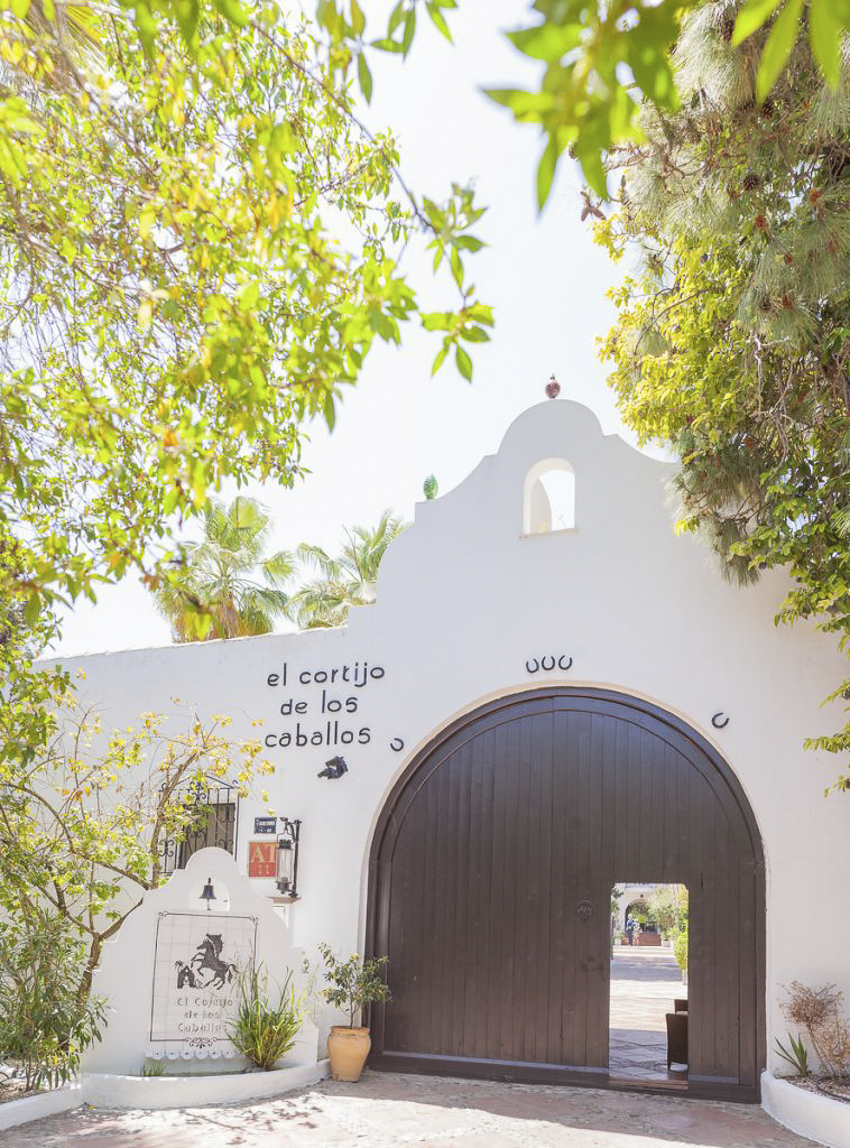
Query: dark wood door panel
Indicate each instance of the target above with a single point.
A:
(490, 883)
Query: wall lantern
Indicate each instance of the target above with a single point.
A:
(287, 859)
(334, 768)
(208, 894)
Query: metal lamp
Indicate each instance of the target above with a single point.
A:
(287, 859)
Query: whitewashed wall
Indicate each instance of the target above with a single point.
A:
(125, 977)
(464, 601)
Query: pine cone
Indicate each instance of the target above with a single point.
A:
(752, 182)
(761, 223)
(765, 306)
(768, 107)
(727, 27)
(788, 258)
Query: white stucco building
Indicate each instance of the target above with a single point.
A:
(516, 712)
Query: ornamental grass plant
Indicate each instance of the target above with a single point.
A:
(262, 1031)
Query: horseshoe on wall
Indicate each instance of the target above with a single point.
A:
(536, 666)
(397, 744)
(717, 723)
(561, 665)
(543, 662)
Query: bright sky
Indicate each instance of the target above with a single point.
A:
(543, 275)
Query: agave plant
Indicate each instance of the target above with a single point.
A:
(227, 588)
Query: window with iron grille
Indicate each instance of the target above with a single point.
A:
(214, 808)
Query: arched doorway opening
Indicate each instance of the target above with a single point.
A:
(490, 882)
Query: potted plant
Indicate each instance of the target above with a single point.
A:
(352, 985)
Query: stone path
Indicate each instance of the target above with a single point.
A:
(388, 1111)
(644, 983)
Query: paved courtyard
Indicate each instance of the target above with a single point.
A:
(388, 1111)
(644, 984)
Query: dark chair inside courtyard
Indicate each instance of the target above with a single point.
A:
(677, 1035)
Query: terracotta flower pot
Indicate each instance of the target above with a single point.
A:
(348, 1049)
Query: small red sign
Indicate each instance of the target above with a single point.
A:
(261, 859)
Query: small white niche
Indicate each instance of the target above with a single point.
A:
(549, 502)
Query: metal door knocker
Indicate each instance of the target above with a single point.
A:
(584, 911)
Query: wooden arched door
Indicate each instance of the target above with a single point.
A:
(490, 881)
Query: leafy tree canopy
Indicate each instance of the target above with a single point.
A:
(731, 343)
(85, 824)
(601, 59)
(200, 246)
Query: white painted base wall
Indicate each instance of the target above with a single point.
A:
(15, 1112)
(810, 1114)
(108, 1090)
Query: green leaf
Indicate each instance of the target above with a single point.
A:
(825, 32)
(751, 17)
(233, 11)
(329, 409)
(396, 17)
(358, 19)
(475, 335)
(439, 359)
(439, 21)
(546, 171)
(32, 609)
(547, 42)
(250, 296)
(526, 106)
(464, 363)
(386, 45)
(468, 243)
(145, 27)
(647, 54)
(69, 251)
(436, 320)
(457, 267)
(409, 31)
(186, 14)
(778, 47)
(147, 219)
(365, 78)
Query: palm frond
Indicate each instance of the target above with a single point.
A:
(347, 580)
(279, 568)
(215, 579)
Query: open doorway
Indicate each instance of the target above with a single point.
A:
(648, 1020)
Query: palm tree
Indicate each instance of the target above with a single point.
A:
(347, 580)
(214, 596)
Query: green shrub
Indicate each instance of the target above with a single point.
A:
(354, 983)
(44, 1027)
(680, 949)
(264, 1032)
